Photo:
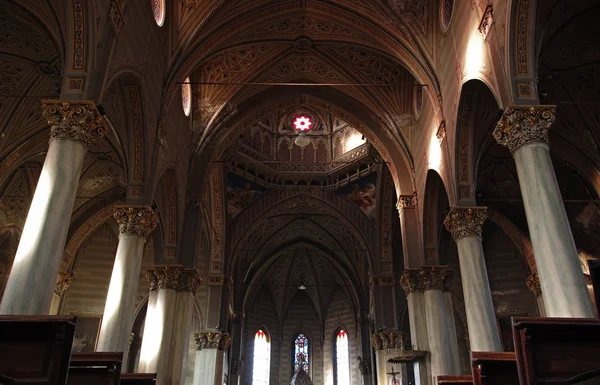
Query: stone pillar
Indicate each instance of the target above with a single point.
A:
(135, 225)
(62, 284)
(365, 362)
(168, 323)
(412, 245)
(524, 130)
(464, 223)
(411, 283)
(533, 284)
(430, 282)
(386, 345)
(238, 325)
(30, 286)
(210, 357)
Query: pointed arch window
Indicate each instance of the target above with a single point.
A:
(301, 352)
(342, 363)
(262, 358)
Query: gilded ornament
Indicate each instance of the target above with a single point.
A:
(436, 278)
(63, 283)
(465, 221)
(174, 278)
(407, 201)
(135, 220)
(410, 281)
(210, 340)
(77, 121)
(388, 340)
(522, 125)
(533, 284)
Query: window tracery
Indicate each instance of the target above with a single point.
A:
(301, 352)
(262, 358)
(342, 363)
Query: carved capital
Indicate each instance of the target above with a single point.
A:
(63, 283)
(465, 221)
(383, 280)
(78, 121)
(411, 281)
(174, 278)
(215, 279)
(427, 278)
(135, 220)
(436, 278)
(210, 340)
(407, 201)
(533, 284)
(522, 125)
(389, 340)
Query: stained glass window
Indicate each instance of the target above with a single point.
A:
(186, 97)
(301, 358)
(158, 9)
(342, 365)
(262, 357)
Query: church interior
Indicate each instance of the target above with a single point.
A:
(327, 192)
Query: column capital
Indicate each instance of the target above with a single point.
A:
(212, 340)
(407, 201)
(533, 284)
(465, 221)
(522, 125)
(427, 278)
(388, 340)
(63, 283)
(383, 280)
(75, 120)
(135, 220)
(174, 277)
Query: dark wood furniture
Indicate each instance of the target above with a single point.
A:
(35, 349)
(138, 378)
(556, 351)
(99, 368)
(455, 380)
(494, 368)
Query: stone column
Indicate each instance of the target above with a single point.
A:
(464, 223)
(533, 284)
(411, 283)
(386, 345)
(168, 323)
(442, 344)
(135, 224)
(524, 130)
(238, 325)
(62, 284)
(30, 286)
(210, 357)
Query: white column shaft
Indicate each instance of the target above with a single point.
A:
(561, 278)
(158, 329)
(33, 275)
(120, 301)
(208, 368)
(440, 345)
(418, 332)
(452, 331)
(481, 317)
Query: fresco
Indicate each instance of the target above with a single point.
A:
(241, 193)
(363, 194)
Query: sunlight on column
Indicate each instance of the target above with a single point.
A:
(153, 332)
(36, 218)
(353, 141)
(475, 56)
(115, 291)
(434, 159)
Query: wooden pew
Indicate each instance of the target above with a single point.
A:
(494, 368)
(35, 349)
(99, 368)
(556, 350)
(455, 380)
(138, 378)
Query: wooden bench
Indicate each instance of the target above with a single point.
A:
(138, 378)
(99, 368)
(557, 351)
(35, 349)
(455, 380)
(494, 368)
